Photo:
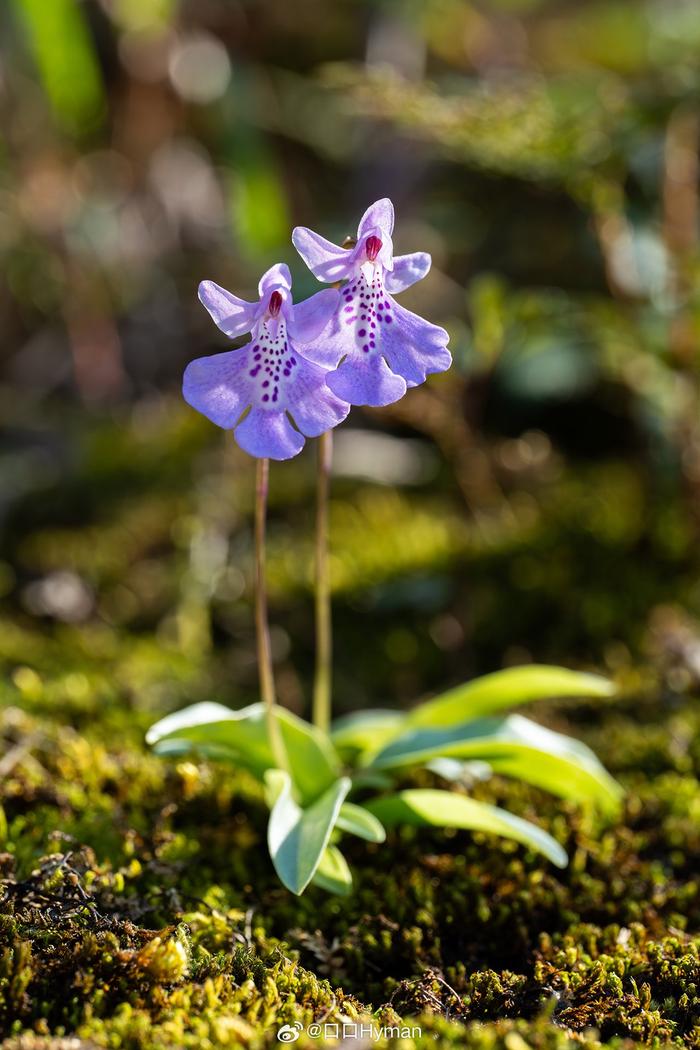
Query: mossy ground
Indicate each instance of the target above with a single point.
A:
(140, 909)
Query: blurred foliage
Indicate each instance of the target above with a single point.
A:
(69, 73)
(540, 501)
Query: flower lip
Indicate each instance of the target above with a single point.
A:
(275, 304)
(373, 246)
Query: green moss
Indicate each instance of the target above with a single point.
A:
(153, 919)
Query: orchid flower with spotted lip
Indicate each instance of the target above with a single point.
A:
(270, 375)
(377, 348)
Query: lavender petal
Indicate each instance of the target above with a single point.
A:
(366, 381)
(232, 315)
(308, 319)
(413, 347)
(327, 261)
(278, 276)
(379, 215)
(218, 386)
(407, 270)
(269, 435)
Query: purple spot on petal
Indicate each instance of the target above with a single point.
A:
(266, 397)
(362, 331)
(388, 319)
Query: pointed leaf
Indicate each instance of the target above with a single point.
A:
(333, 873)
(516, 747)
(359, 821)
(240, 737)
(215, 731)
(366, 730)
(505, 689)
(297, 837)
(449, 810)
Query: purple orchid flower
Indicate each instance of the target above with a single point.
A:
(270, 375)
(376, 347)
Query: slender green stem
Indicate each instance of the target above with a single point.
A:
(324, 642)
(267, 681)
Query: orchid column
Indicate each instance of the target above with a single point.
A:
(272, 397)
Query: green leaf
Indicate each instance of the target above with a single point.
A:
(59, 38)
(370, 778)
(333, 873)
(505, 689)
(217, 732)
(240, 737)
(276, 781)
(459, 771)
(448, 810)
(366, 730)
(358, 821)
(516, 747)
(297, 837)
(566, 778)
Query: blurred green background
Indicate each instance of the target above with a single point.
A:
(540, 501)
